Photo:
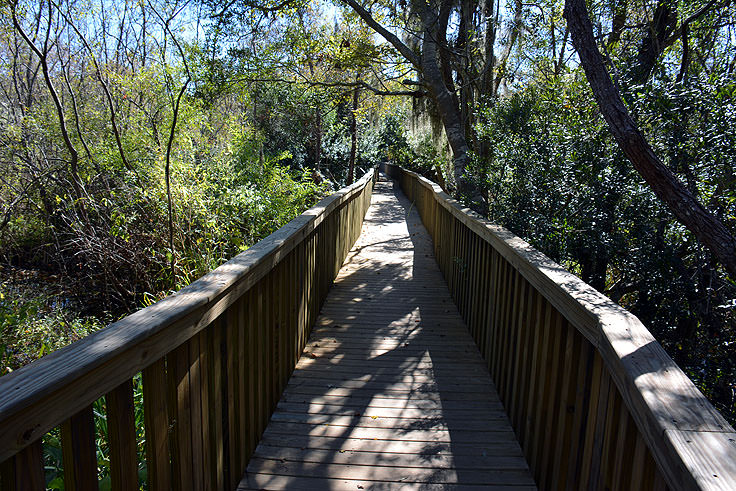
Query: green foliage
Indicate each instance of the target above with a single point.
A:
(415, 152)
(557, 178)
(36, 319)
(52, 451)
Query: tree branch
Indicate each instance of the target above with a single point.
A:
(402, 48)
(710, 231)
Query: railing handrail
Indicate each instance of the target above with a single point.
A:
(690, 440)
(39, 396)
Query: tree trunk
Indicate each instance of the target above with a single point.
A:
(513, 35)
(318, 143)
(448, 108)
(428, 65)
(353, 136)
(489, 41)
(652, 46)
(686, 208)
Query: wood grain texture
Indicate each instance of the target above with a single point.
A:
(638, 378)
(79, 452)
(121, 431)
(24, 471)
(156, 419)
(41, 395)
(390, 390)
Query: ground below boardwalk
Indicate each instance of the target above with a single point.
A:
(391, 392)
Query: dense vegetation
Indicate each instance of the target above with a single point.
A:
(545, 164)
(142, 144)
(128, 169)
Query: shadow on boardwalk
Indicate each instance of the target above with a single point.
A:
(390, 392)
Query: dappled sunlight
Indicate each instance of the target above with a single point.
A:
(390, 390)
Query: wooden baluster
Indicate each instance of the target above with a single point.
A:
(196, 413)
(121, 431)
(544, 393)
(302, 292)
(435, 213)
(278, 331)
(584, 361)
(232, 375)
(262, 359)
(518, 374)
(532, 433)
(79, 451)
(471, 291)
(486, 302)
(216, 387)
(481, 296)
(310, 277)
(653, 477)
(638, 462)
(293, 269)
(552, 417)
(251, 360)
(462, 273)
(625, 442)
(244, 387)
(505, 291)
(205, 355)
(593, 433)
(495, 297)
(479, 291)
(608, 423)
(470, 272)
(274, 361)
(180, 419)
(439, 239)
(255, 341)
(659, 482)
(446, 252)
(24, 471)
(457, 257)
(571, 375)
(490, 327)
(530, 326)
(514, 340)
(461, 268)
(156, 419)
(337, 260)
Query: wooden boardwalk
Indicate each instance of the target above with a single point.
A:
(391, 392)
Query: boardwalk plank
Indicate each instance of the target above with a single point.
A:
(390, 391)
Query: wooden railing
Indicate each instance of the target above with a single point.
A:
(593, 398)
(214, 358)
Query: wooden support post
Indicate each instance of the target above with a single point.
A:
(121, 431)
(205, 355)
(244, 383)
(232, 397)
(155, 413)
(215, 399)
(24, 471)
(79, 451)
(180, 417)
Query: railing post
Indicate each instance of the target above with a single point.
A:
(121, 429)
(24, 471)
(594, 399)
(79, 451)
(214, 360)
(155, 413)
